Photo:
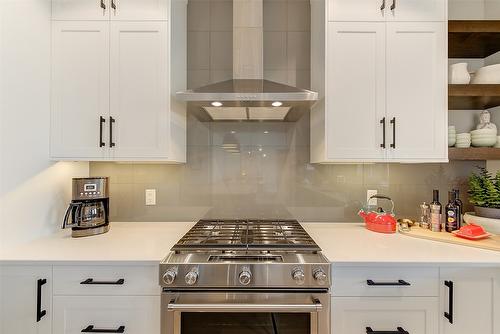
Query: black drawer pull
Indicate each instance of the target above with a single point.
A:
(449, 315)
(91, 329)
(399, 330)
(398, 283)
(39, 312)
(90, 281)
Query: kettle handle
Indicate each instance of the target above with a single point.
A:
(68, 212)
(386, 198)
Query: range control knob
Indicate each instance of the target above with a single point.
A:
(169, 276)
(245, 276)
(299, 276)
(320, 276)
(191, 277)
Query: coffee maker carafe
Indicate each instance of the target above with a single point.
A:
(88, 212)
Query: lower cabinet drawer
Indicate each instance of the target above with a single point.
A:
(132, 314)
(359, 315)
(106, 280)
(385, 282)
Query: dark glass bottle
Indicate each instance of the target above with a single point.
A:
(460, 205)
(436, 211)
(452, 211)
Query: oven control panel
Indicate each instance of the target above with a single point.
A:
(241, 275)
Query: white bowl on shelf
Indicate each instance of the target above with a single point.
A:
(484, 142)
(492, 132)
(488, 75)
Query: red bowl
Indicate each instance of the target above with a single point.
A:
(472, 230)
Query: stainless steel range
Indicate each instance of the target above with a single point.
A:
(245, 276)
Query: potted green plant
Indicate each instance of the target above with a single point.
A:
(484, 193)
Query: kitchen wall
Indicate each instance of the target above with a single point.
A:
(271, 175)
(34, 192)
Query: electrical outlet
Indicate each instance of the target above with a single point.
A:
(370, 193)
(150, 196)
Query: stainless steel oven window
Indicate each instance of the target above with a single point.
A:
(246, 312)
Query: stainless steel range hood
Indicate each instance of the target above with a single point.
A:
(248, 96)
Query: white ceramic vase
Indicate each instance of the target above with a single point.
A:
(458, 74)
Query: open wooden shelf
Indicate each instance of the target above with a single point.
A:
(473, 38)
(474, 153)
(473, 97)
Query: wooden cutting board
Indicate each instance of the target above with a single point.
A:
(491, 243)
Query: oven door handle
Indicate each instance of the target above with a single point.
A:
(239, 307)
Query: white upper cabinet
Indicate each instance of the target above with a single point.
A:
(142, 10)
(387, 10)
(80, 89)
(382, 81)
(416, 90)
(354, 127)
(81, 9)
(113, 83)
(139, 89)
(474, 297)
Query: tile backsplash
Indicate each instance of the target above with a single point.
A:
(269, 175)
(266, 173)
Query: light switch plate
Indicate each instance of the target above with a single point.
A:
(150, 196)
(370, 193)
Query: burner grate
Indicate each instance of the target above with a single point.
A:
(287, 235)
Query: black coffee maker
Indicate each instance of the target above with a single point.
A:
(88, 212)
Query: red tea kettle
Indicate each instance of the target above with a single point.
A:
(378, 220)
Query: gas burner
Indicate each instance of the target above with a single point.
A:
(250, 234)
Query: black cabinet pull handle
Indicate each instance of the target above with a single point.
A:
(393, 6)
(393, 122)
(111, 121)
(399, 330)
(91, 329)
(103, 5)
(39, 312)
(113, 5)
(383, 5)
(90, 281)
(382, 121)
(102, 120)
(449, 315)
(398, 283)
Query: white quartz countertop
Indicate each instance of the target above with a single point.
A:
(342, 244)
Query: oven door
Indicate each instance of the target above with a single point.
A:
(245, 312)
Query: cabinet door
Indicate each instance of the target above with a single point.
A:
(355, 90)
(140, 89)
(140, 10)
(476, 297)
(357, 10)
(352, 315)
(81, 9)
(80, 88)
(416, 10)
(137, 314)
(417, 91)
(19, 291)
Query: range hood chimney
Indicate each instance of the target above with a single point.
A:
(248, 96)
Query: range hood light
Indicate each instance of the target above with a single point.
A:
(277, 104)
(216, 104)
